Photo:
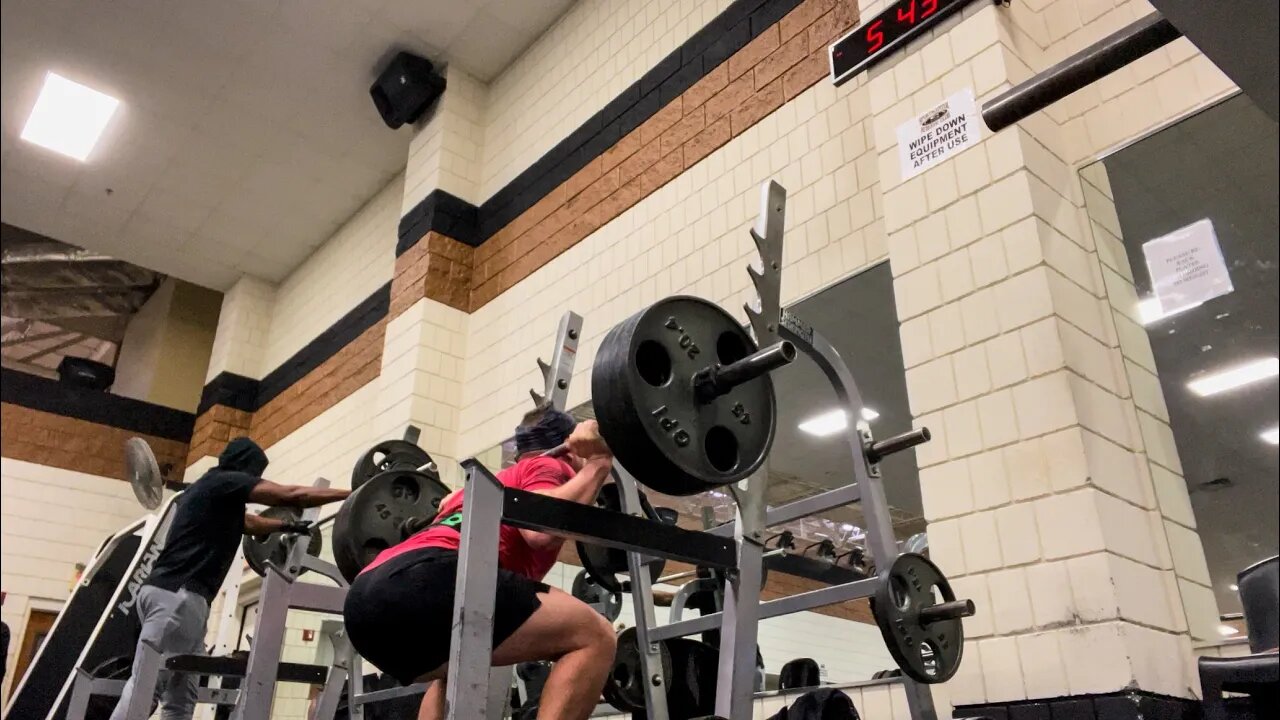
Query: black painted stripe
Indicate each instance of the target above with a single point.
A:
(95, 406)
(250, 395)
(739, 23)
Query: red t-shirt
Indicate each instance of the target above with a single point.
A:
(514, 554)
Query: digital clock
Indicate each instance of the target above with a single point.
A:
(888, 31)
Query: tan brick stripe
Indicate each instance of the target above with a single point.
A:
(73, 444)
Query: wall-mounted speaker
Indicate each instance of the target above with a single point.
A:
(405, 89)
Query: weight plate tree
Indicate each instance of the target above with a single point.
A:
(372, 518)
(388, 455)
(603, 564)
(275, 547)
(681, 442)
(920, 618)
(624, 688)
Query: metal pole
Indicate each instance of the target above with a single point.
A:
(1084, 68)
(471, 652)
(655, 682)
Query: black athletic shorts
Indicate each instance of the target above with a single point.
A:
(399, 615)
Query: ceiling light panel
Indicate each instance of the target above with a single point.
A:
(68, 117)
(1235, 377)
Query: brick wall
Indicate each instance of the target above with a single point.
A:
(778, 65)
(72, 444)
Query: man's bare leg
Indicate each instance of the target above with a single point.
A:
(432, 707)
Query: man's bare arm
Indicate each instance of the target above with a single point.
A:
(298, 496)
(258, 526)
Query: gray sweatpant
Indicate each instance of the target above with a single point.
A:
(175, 624)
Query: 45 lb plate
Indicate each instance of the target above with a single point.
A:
(642, 387)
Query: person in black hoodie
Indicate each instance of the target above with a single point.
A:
(208, 522)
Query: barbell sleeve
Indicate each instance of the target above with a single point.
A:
(716, 380)
(878, 451)
(953, 610)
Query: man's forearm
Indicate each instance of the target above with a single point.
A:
(257, 526)
(315, 497)
(584, 486)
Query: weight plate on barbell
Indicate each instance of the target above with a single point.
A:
(642, 392)
(927, 652)
(624, 688)
(275, 547)
(607, 603)
(370, 519)
(603, 564)
(388, 455)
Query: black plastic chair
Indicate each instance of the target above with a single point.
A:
(1258, 674)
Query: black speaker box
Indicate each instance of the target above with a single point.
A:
(85, 373)
(405, 89)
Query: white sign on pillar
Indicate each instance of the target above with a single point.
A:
(939, 133)
(1187, 267)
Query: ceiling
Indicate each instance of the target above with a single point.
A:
(1220, 164)
(245, 136)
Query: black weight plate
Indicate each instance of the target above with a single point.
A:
(370, 519)
(603, 564)
(274, 547)
(624, 688)
(929, 653)
(642, 392)
(388, 455)
(691, 684)
(608, 604)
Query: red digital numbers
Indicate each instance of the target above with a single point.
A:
(907, 13)
(875, 38)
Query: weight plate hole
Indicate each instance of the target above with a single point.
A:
(730, 348)
(372, 547)
(653, 363)
(406, 489)
(622, 676)
(929, 655)
(722, 449)
(899, 593)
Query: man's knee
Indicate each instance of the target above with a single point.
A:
(603, 638)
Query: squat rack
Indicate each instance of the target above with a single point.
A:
(737, 547)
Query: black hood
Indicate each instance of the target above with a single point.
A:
(243, 455)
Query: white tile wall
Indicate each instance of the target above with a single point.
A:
(50, 520)
(445, 151)
(243, 324)
(355, 261)
(596, 50)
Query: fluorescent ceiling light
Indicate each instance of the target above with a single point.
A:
(68, 117)
(1272, 436)
(830, 423)
(1235, 377)
(1226, 630)
(1149, 310)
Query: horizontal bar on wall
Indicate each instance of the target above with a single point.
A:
(1078, 71)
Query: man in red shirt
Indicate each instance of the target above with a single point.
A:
(399, 610)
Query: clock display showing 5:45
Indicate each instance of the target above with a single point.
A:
(884, 33)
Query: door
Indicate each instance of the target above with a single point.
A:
(38, 626)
